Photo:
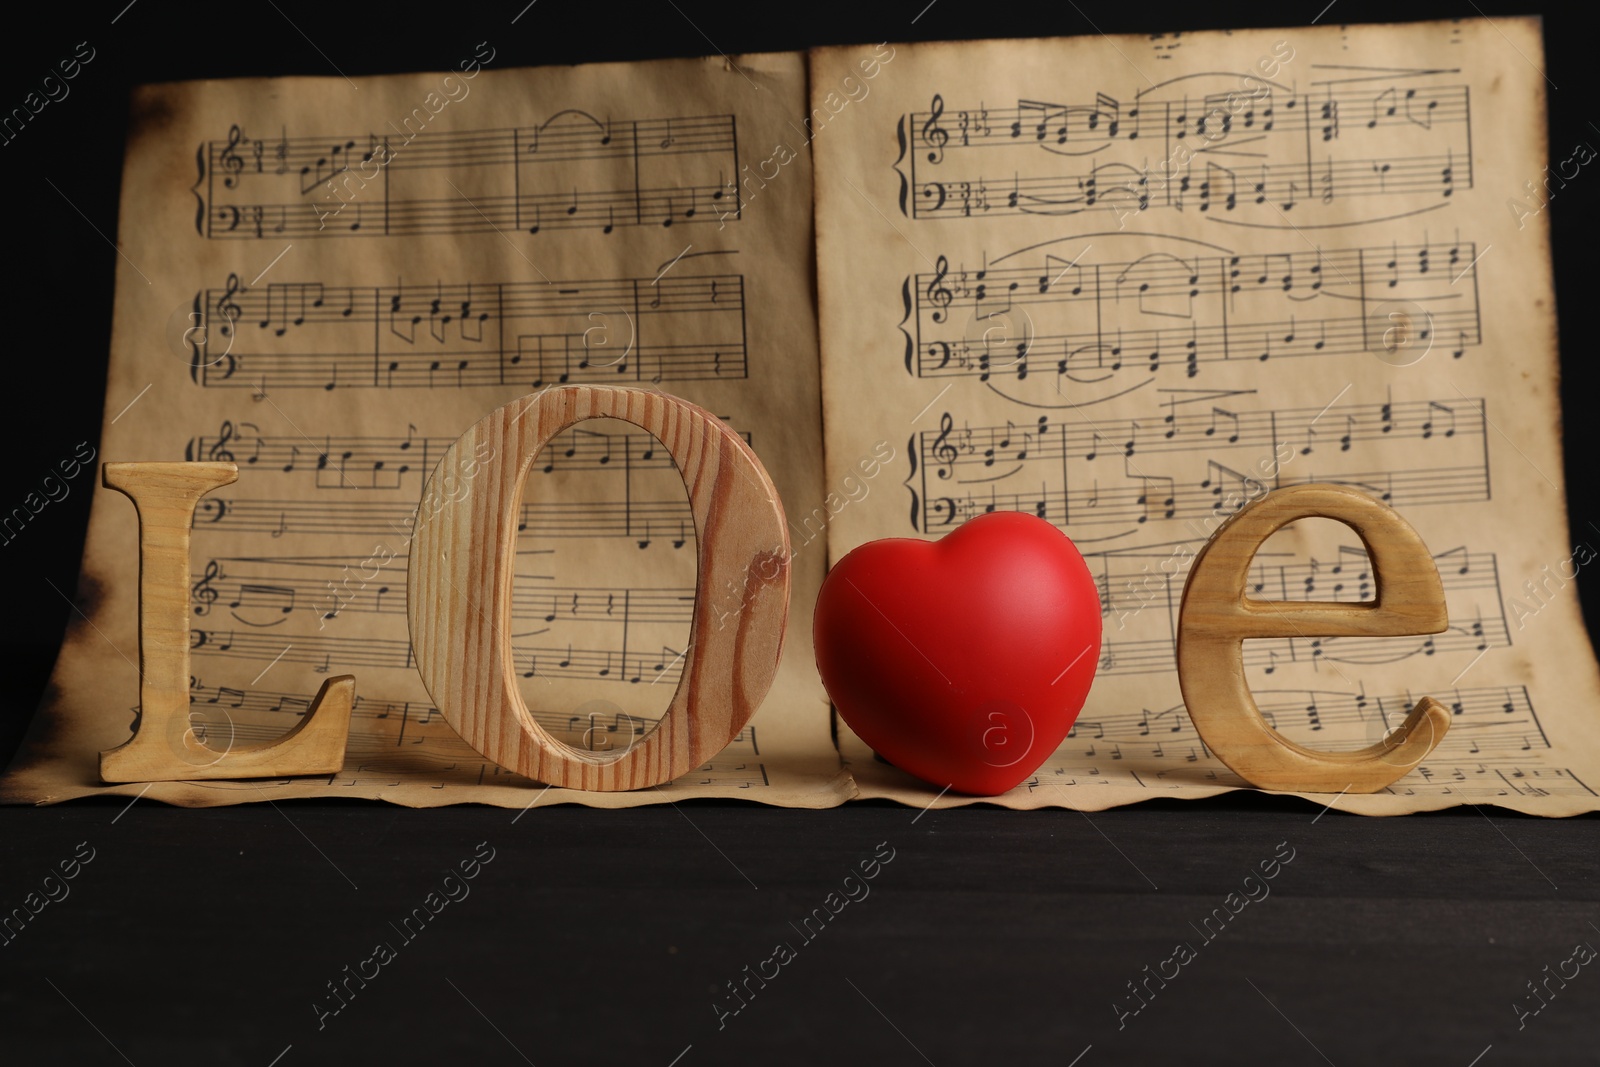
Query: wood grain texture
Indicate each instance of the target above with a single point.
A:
(1217, 617)
(164, 747)
(458, 595)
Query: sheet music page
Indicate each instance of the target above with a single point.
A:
(1128, 284)
(327, 281)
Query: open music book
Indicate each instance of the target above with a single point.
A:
(1125, 284)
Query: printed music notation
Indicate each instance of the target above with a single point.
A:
(1141, 590)
(1261, 150)
(326, 653)
(978, 454)
(661, 521)
(1494, 745)
(1186, 464)
(583, 484)
(1481, 781)
(450, 766)
(1501, 718)
(411, 738)
(1130, 499)
(575, 171)
(263, 592)
(622, 331)
(1148, 306)
(349, 462)
(1348, 577)
(1120, 656)
(1084, 322)
(1131, 580)
(1136, 641)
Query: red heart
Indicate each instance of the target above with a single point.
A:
(964, 661)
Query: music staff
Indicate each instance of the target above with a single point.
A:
(984, 454)
(623, 331)
(1180, 464)
(1499, 716)
(662, 521)
(1127, 498)
(1493, 747)
(327, 653)
(576, 171)
(1141, 588)
(261, 591)
(350, 462)
(1090, 323)
(429, 746)
(1188, 152)
(1154, 655)
(1129, 583)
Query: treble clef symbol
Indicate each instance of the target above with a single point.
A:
(939, 294)
(228, 308)
(933, 134)
(219, 451)
(231, 163)
(943, 450)
(202, 593)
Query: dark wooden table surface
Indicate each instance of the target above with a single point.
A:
(610, 937)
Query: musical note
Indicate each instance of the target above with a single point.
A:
(435, 335)
(1114, 311)
(1369, 167)
(539, 194)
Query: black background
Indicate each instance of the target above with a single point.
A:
(603, 937)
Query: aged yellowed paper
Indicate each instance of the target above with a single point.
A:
(1125, 284)
(1130, 284)
(326, 281)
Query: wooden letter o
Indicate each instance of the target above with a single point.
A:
(458, 595)
(1217, 617)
